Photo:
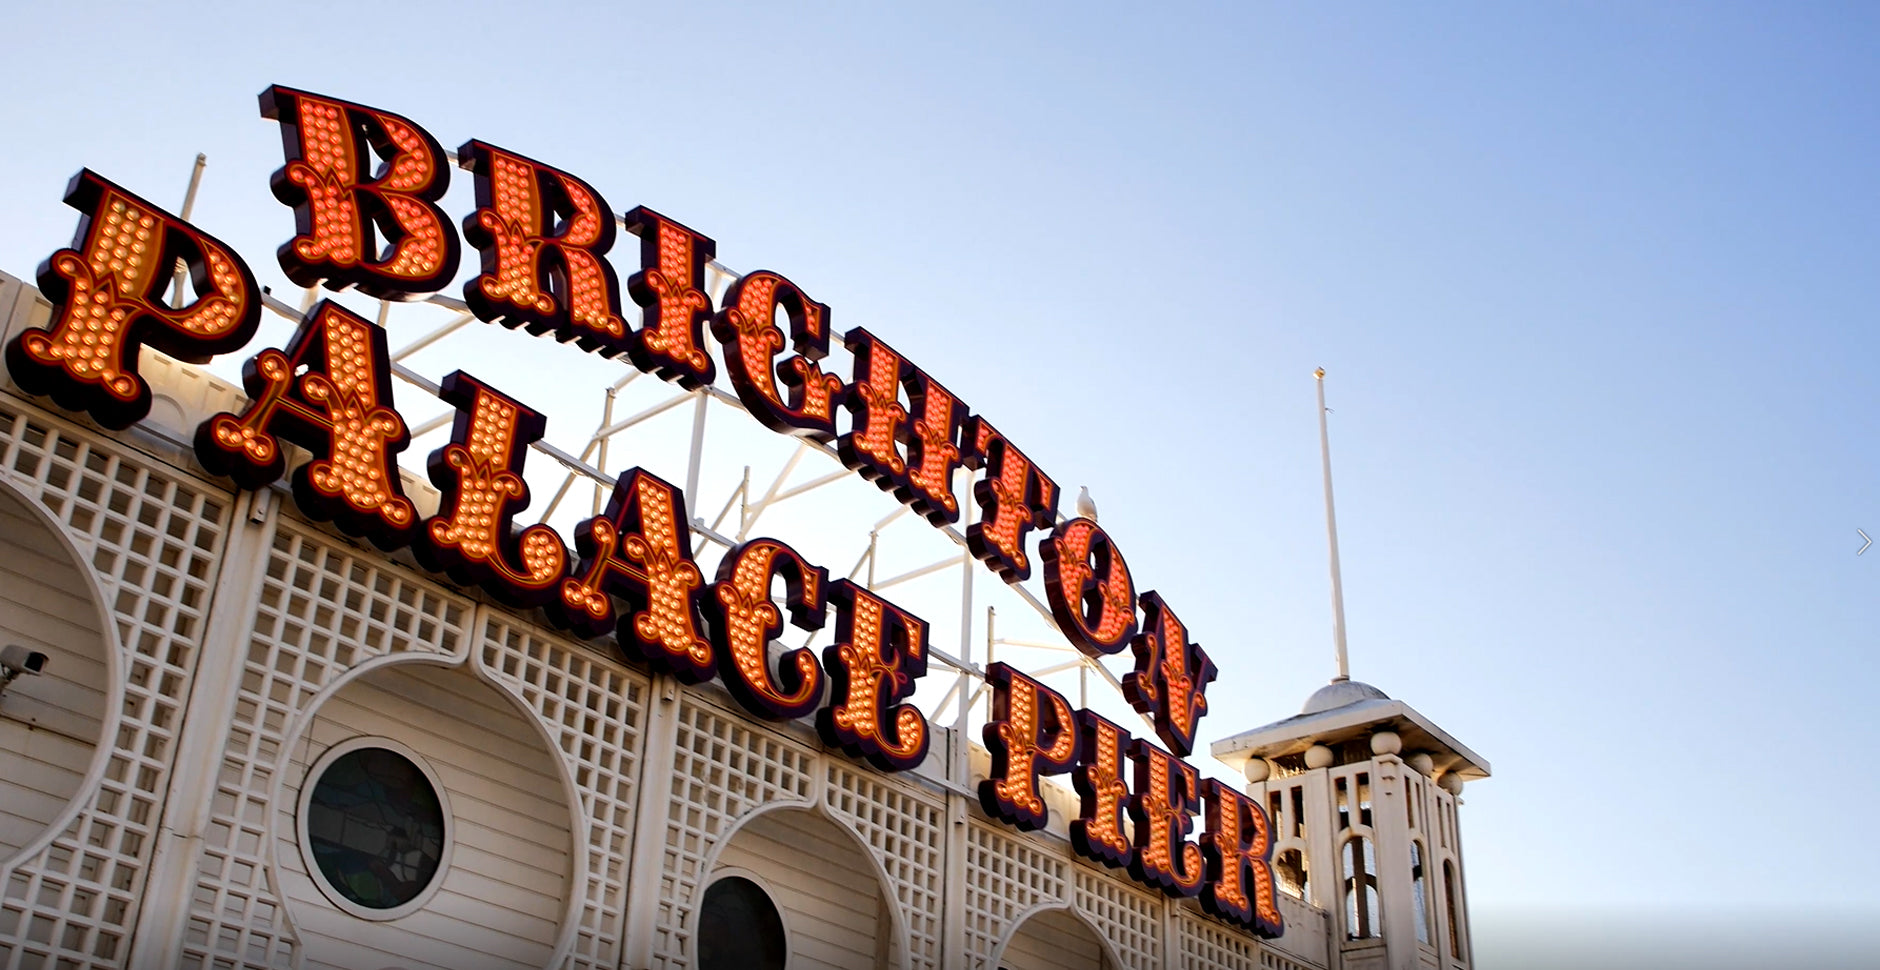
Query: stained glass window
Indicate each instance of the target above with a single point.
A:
(376, 828)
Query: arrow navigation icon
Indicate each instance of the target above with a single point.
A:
(1865, 542)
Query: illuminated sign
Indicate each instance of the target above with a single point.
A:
(543, 237)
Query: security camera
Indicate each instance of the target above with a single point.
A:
(16, 660)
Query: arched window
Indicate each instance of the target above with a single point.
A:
(1419, 891)
(1454, 912)
(1362, 914)
(1293, 878)
(739, 928)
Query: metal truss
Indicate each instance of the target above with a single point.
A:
(955, 684)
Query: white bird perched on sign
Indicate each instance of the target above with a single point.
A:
(1086, 506)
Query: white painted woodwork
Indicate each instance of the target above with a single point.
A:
(824, 887)
(1054, 940)
(501, 900)
(49, 722)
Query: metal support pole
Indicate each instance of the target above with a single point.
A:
(189, 207)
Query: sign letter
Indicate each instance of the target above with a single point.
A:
(536, 277)
(107, 296)
(1097, 832)
(339, 211)
(640, 549)
(670, 289)
(1088, 585)
(1014, 497)
(1171, 678)
(480, 476)
(1167, 797)
(747, 331)
(1032, 733)
(330, 392)
(745, 621)
(1239, 845)
(880, 650)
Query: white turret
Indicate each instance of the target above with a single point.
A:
(1362, 793)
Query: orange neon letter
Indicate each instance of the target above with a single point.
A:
(1238, 846)
(746, 328)
(1087, 584)
(880, 421)
(330, 392)
(745, 621)
(480, 477)
(1014, 497)
(544, 235)
(933, 449)
(1097, 832)
(640, 550)
(340, 209)
(670, 289)
(1167, 798)
(1032, 733)
(1171, 678)
(880, 650)
(107, 303)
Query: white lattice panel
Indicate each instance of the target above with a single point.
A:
(1132, 921)
(596, 711)
(723, 768)
(323, 609)
(902, 825)
(153, 537)
(1207, 945)
(1005, 877)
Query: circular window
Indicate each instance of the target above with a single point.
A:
(738, 928)
(373, 828)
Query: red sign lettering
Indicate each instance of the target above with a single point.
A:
(640, 550)
(542, 233)
(480, 477)
(339, 212)
(107, 296)
(331, 393)
(880, 650)
(1014, 497)
(670, 289)
(745, 621)
(747, 330)
(1238, 846)
(1167, 798)
(1087, 584)
(1171, 678)
(1032, 733)
(1097, 832)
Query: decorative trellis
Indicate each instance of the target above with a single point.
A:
(1005, 878)
(723, 768)
(596, 711)
(1130, 920)
(322, 610)
(903, 828)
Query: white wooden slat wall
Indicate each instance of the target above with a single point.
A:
(502, 897)
(824, 887)
(49, 722)
(1054, 940)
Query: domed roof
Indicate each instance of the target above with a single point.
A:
(1340, 693)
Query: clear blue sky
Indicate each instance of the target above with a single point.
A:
(1594, 284)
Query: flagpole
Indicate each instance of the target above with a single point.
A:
(1331, 538)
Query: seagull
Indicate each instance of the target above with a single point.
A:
(1086, 506)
